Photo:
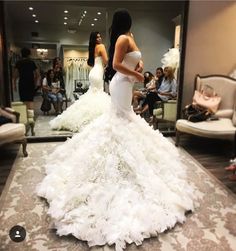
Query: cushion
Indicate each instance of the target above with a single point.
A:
(224, 113)
(222, 128)
(11, 132)
(157, 112)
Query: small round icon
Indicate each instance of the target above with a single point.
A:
(17, 233)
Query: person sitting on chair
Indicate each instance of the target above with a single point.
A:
(148, 85)
(166, 91)
(52, 86)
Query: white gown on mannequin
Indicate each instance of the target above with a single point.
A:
(88, 107)
(118, 180)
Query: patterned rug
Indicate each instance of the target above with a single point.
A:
(211, 227)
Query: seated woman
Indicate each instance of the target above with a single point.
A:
(154, 86)
(166, 91)
(149, 84)
(52, 87)
(159, 77)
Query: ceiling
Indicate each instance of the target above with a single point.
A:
(50, 14)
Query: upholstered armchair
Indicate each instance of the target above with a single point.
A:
(225, 126)
(12, 132)
(26, 115)
(165, 111)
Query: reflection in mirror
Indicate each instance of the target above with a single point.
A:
(157, 27)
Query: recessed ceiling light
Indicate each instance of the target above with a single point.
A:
(36, 21)
(85, 11)
(31, 8)
(65, 18)
(33, 15)
(65, 11)
(92, 24)
(65, 23)
(95, 19)
(99, 13)
(83, 15)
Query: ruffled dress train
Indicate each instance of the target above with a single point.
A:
(118, 181)
(88, 107)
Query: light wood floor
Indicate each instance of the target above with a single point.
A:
(214, 155)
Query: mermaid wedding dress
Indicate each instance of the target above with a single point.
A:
(118, 181)
(88, 107)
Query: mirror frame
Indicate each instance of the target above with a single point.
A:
(4, 71)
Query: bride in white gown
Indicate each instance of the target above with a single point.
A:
(118, 181)
(95, 101)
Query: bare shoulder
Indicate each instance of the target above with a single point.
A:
(100, 46)
(123, 38)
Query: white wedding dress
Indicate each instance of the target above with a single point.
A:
(88, 107)
(118, 181)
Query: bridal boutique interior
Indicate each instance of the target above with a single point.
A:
(66, 35)
(205, 27)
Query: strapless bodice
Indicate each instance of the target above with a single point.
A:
(121, 85)
(131, 59)
(98, 61)
(96, 75)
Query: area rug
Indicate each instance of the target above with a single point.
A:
(212, 226)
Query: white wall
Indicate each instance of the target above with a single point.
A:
(211, 41)
(154, 34)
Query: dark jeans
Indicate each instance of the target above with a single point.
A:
(151, 98)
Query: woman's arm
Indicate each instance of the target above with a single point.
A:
(139, 66)
(121, 48)
(151, 85)
(45, 85)
(173, 89)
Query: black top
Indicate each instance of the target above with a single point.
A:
(26, 68)
(158, 82)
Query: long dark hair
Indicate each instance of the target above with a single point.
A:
(121, 24)
(91, 48)
(49, 80)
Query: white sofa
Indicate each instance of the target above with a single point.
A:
(13, 132)
(225, 127)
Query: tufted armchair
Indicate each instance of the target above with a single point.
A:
(225, 126)
(12, 132)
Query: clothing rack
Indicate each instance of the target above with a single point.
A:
(79, 59)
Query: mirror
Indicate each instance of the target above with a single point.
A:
(157, 27)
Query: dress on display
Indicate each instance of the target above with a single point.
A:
(118, 181)
(88, 107)
(171, 58)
